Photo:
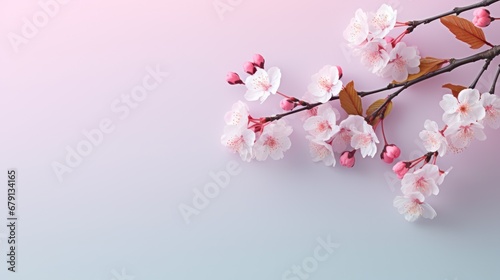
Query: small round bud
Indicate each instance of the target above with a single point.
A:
(481, 12)
(392, 151)
(341, 73)
(401, 168)
(287, 105)
(249, 67)
(258, 60)
(347, 159)
(233, 78)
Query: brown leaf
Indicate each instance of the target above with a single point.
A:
(376, 105)
(455, 89)
(350, 100)
(465, 31)
(427, 65)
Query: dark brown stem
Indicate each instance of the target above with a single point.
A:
(485, 67)
(492, 89)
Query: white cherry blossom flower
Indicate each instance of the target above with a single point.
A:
(321, 151)
(423, 181)
(413, 207)
(403, 60)
(262, 84)
(342, 139)
(325, 84)
(238, 116)
(324, 125)
(383, 21)
(374, 55)
(491, 104)
(433, 140)
(363, 136)
(273, 141)
(356, 32)
(239, 140)
(464, 110)
(459, 136)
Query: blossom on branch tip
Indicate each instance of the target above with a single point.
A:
(321, 151)
(413, 207)
(325, 84)
(424, 181)
(433, 139)
(465, 109)
(262, 84)
(273, 141)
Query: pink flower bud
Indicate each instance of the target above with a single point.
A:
(401, 168)
(392, 151)
(481, 21)
(482, 18)
(258, 60)
(340, 72)
(347, 159)
(287, 105)
(233, 78)
(481, 12)
(249, 67)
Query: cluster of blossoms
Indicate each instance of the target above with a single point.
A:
(367, 35)
(326, 137)
(464, 117)
(466, 111)
(256, 138)
(259, 138)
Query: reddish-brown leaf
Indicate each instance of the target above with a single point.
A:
(350, 100)
(455, 89)
(465, 31)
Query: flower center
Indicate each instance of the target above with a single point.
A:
(271, 142)
(463, 108)
(324, 125)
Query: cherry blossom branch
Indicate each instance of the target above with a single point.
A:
(453, 64)
(492, 89)
(458, 10)
(485, 67)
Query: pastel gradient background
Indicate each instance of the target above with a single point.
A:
(117, 213)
